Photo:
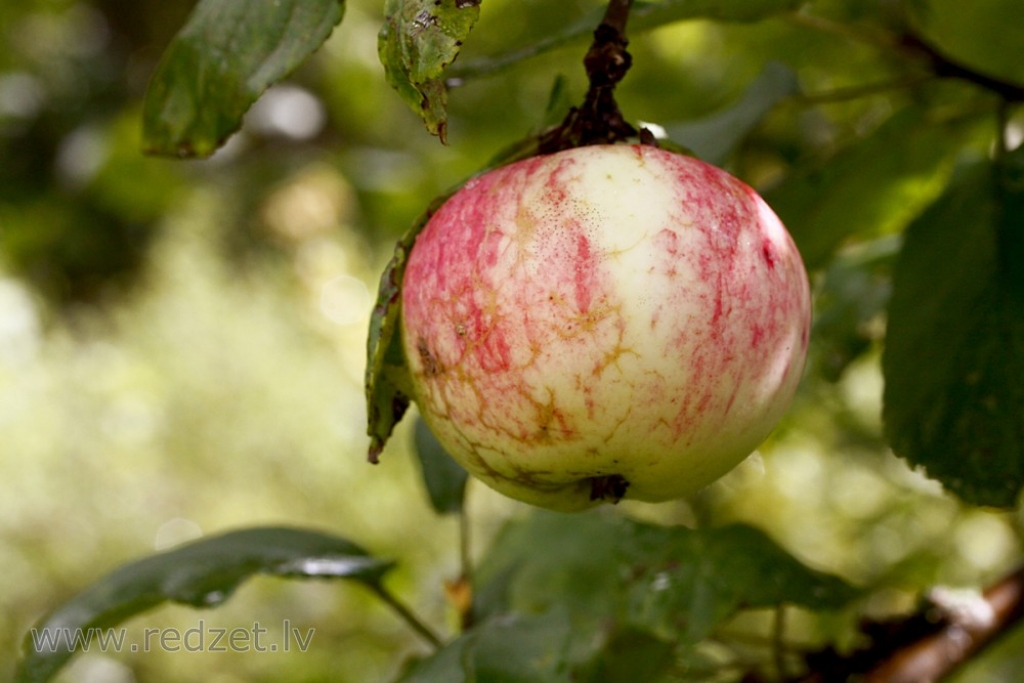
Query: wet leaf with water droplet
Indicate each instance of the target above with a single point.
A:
(666, 580)
(201, 574)
(596, 597)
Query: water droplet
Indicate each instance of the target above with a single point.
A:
(329, 566)
(213, 598)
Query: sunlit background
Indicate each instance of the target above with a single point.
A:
(182, 343)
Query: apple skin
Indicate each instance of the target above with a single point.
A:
(604, 320)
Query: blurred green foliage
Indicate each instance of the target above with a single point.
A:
(182, 343)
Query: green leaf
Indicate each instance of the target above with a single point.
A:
(954, 356)
(633, 656)
(420, 38)
(688, 582)
(670, 581)
(559, 103)
(872, 188)
(388, 385)
(644, 16)
(507, 649)
(222, 60)
(985, 34)
(714, 138)
(444, 478)
(447, 665)
(200, 574)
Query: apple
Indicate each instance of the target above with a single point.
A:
(603, 322)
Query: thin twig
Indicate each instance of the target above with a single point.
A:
(466, 561)
(856, 92)
(409, 617)
(859, 34)
(462, 71)
(464, 543)
(947, 67)
(910, 44)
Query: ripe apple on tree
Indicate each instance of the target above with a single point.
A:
(607, 321)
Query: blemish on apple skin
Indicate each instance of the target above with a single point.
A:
(431, 366)
(768, 252)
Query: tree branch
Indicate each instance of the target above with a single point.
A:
(930, 644)
(967, 630)
(912, 45)
(946, 67)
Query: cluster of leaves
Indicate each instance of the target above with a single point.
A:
(608, 599)
(596, 596)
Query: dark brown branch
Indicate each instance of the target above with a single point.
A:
(930, 644)
(910, 44)
(946, 67)
(965, 634)
(598, 120)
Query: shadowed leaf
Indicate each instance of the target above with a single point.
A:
(444, 478)
(387, 383)
(222, 60)
(508, 649)
(954, 355)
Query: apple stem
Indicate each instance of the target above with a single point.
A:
(598, 120)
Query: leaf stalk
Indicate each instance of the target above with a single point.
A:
(408, 616)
